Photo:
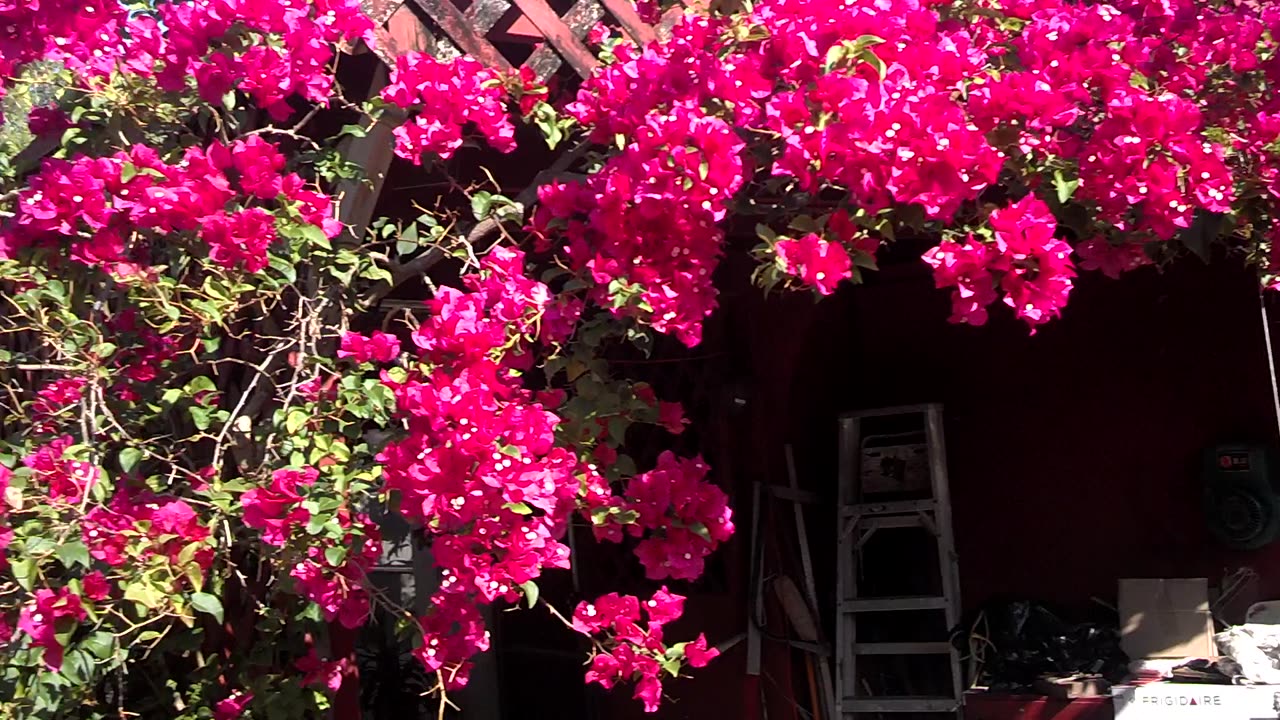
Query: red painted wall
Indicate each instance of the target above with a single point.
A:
(1073, 452)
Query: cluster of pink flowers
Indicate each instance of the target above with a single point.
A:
(271, 51)
(65, 479)
(681, 517)
(276, 511)
(140, 356)
(66, 31)
(341, 591)
(632, 643)
(101, 209)
(318, 671)
(232, 707)
(447, 97)
(644, 230)
(52, 400)
(1025, 260)
(1112, 106)
(138, 526)
(377, 347)
(49, 613)
(481, 468)
(815, 261)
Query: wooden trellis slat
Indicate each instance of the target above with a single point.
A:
(487, 25)
(402, 34)
(559, 35)
(484, 14)
(625, 12)
(584, 14)
(454, 23)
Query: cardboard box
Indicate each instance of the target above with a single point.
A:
(1166, 618)
(1175, 701)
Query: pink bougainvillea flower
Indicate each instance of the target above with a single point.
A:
(317, 671)
(50, 612)
(698, 653)
(66, 479)
(233, 707)
(664, 606)
(378, 347)
(1110, 258)
(240, 240)
(671, 416)
(817, 262)
(275, 509)
(1036, 266)
(96, 587)
(964, 266)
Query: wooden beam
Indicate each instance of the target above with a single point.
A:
(373, 153)
(380, 10)
(581, 18)
(454, 23)
(402, 34)
(558, 34)
(484, 14)
(625, 13)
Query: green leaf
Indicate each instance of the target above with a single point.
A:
(295, 420)
(836, 54)
(208, 604)
(100, 644)
(1204, 229)
(129, 458)
(104, 350)
(519, 508)
(865, 41)
(199, 416)
(481, 203)
(284, 267)
(335, 555)
(24, 571)
(143, 594)
(625, 465)
(1066, 188)
(672, 666)
(73, 553)
(530, 589)
(353, 131)
(314, 235)
(128, 172)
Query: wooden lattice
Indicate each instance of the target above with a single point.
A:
(505, 34)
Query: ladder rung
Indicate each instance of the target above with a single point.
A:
(901, 704)
(899, 507)
(885, 412)
(783, 492)
(889, 604)
(902, 648)
(894, 521)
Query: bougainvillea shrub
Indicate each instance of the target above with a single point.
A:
(195, 439)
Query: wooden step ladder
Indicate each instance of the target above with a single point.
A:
(893, 475)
